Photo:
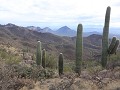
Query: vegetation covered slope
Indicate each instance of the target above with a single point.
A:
(23, 38)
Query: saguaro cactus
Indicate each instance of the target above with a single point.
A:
(38, 53)
(112, 44)
(105, 38)
(43, 58)
(79, 48)
(60, 64)
(115, 47)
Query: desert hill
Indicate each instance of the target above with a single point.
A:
(21, 37)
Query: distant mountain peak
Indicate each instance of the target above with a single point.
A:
(95, 36)
(65, 27)
(47, 29)
(65, 31)
(10, 25)
(34, 28)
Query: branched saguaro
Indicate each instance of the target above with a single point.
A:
(105, 37)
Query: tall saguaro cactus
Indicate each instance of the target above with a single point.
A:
(60, 64)
(43, 58)
(38, 53)
(105, 37)
(79, 48)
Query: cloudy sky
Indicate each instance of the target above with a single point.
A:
(57, 13)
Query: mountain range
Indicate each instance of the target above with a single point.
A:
(63, 31)
(66, 31)
(22, 37)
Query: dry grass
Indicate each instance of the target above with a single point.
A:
(72, 82)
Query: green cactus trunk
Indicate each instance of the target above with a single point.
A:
(105, 38)
(43, 58)
(60, 64)
(38, 53)
(112, 44)
(113, 51)
(79, 48)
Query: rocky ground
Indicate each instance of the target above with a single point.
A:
(103, 80)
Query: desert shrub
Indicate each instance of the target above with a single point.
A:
(114, 60)
(94, 70)
(51, 61)
(34, 72)
(8, 80)
(92, 66)
(114, 57)
(13, 59)
(3, 54)
(9, 57)
(90, 63)
(49, 73)
(33, 57)
(69, 67)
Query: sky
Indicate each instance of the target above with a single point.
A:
(57, 13)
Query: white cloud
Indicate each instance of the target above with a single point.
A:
(59, 12)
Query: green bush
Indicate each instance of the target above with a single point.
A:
(13, 59)
(9, 58)
(92, 66)
(51, 61)
(35, 72)
(114, 60)
(69, 67)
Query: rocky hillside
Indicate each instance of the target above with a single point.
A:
(21, 37)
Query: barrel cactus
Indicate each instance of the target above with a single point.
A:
(105, 37)
(38, 53)
(79, 48)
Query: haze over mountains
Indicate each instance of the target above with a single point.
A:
(66, 31)
(62, 31)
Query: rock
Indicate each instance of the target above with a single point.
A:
(106, 80)
(103, 73)
(117, 75)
